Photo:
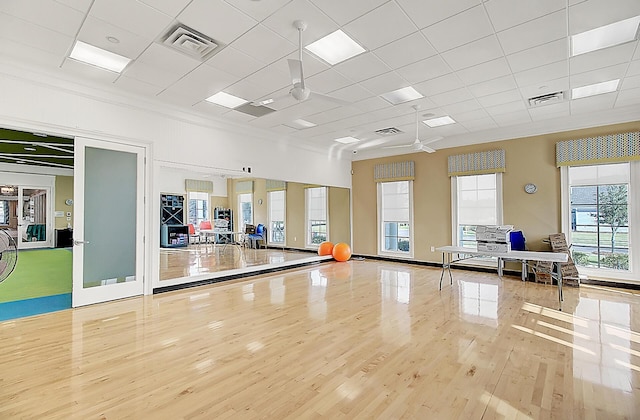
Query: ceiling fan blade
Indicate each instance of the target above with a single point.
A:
(397, 147)
(427, 149)
(330, 98)
(268, 101)
(295, 69)
(432, 140)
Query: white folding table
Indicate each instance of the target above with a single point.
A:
(463, 253)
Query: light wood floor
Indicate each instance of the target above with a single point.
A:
(200, 259)
(355, 340)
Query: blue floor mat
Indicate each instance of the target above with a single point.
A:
(35, 306)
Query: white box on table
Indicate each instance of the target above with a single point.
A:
(494, 246)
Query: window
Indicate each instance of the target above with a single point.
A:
(597, 207)
(4, 212)
(245, 205)
(316, 204)
(476, 200)
(276, 200)
(395, 204)
(198, 207)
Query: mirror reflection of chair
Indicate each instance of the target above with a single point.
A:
(260, 235)
(205, 225)
(193, 235)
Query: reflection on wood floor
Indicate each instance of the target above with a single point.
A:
(354, 340)
(201, 259)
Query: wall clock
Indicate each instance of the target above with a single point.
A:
(530, 188)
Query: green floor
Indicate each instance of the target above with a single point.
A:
(39, 272)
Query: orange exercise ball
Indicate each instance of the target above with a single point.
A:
(325, 248)
(341, 252)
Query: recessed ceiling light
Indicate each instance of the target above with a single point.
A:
(605, 36)
(98, 57)
(401, 95)
(437, 122)
(595, 89)
(30, 149)
(226, 100)
(335, 47)
(300, 123)
(347, 140)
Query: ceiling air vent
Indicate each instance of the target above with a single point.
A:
(546, 99)
(191, 42)
(390, 131)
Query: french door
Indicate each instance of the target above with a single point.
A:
(108, 251)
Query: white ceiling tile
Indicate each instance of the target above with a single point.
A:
(630, 82)
(481, 124)
(485, 71)
(151, 74)
(269, 79)
(539, 56)
(235, 62)
(512, 118)
(628, 97)
(428, 12)
(95, 32)
(426, 69)
(594, 13)
(166, 60)
(318, 23)
(480, 51)
(264, 45)
(542, 74)
(384, 83)
(27, 54)
(548, 112)
(352, 93)
(634, 68)
(501, 84)
(600, 75)
(451, 97)
(248, 90)
(258, 10)
(137, 86)
(508, 13)
(371, 104)
(327, 81)
(216, 19)
(128, 15)
(81, 5)
(202, 82)
(548, 86)
(405, 50)
(169, 7)
(48, 14)
(500, 98)
(344, 12)
(536, 32)
(466, 108)
(88, 72)
(362, 67)
(460, 29)
(475, 114)
(506, 108)
(438, 85)
(206, 107)
(593, 103)
(35, 36)
(367, 30)
(601, 58)
(334, 114)
(636, 56)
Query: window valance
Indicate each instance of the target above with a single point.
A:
(622, 147)
(479, 163)
(197, 185)
(396, 171)
(244, 187)
(276, 185)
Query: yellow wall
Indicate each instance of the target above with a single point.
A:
(64, 190)
(530, 159)
(339, 215)
(295, 215)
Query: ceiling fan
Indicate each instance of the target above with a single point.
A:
(300, 91)
(418, 145)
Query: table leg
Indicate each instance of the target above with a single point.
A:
(442, 274)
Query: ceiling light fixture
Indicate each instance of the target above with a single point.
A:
(335, 47)
(605, 36)
(347, 140)
(303, 123)
(595, 89)
(30, 149)
(440, 121)
(98, 57)
(226, 100)
(401, 95)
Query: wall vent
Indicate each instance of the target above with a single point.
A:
(546, 99)
(389, 131)
(191, 42)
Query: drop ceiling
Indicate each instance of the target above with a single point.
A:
(476, 61)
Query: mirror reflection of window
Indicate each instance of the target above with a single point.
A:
(276, 201)
(198, 207)
(245, 204)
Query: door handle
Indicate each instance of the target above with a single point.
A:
(75, 242)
